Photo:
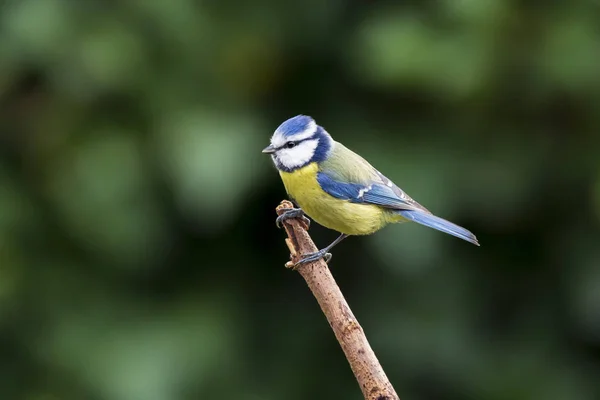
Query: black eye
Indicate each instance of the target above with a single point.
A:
(289, 145)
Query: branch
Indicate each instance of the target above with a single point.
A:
(367, 370)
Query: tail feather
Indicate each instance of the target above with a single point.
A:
(440, 224)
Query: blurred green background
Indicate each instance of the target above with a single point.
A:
(139, 257)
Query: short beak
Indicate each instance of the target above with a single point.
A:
(269, 149)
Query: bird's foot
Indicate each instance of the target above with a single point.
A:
(308, 258)
(290, 214)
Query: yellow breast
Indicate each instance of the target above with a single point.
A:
(332, 213)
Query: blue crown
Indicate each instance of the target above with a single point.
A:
(295, 125)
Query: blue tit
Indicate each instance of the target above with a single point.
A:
(339, 189)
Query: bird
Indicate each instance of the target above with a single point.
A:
(339, 189)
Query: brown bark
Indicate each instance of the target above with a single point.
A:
(367, 370)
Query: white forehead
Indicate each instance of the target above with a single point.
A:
(281, 137)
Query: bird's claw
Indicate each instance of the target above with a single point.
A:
(290, 214)
(308, 258)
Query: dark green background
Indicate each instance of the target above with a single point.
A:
(139, 257)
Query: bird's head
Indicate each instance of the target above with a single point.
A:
(297, 142)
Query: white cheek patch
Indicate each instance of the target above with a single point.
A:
(279, 139)
(299, 155)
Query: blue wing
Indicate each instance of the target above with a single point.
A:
(347, 176)
(377, 192)
(389, 196)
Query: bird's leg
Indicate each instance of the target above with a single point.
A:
(292, 213)
(324, 253)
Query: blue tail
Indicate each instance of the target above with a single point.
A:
(440, 224)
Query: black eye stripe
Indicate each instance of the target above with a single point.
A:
(296, 143)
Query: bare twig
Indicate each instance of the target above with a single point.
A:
(369, 374)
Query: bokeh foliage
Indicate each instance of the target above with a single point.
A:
(138, 253)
